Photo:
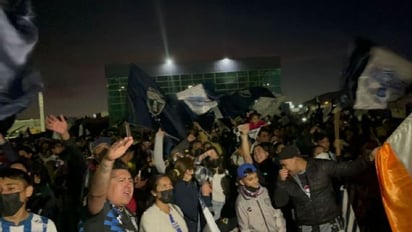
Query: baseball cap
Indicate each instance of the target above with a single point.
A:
(245, 169)
(288, 152)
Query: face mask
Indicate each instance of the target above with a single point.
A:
(212, 163)
(167, 196)
(10, 204)
(252, 189)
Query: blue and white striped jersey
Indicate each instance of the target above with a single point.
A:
(34, 223)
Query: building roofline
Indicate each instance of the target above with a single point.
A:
(194, 67)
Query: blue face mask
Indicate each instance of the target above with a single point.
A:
(10, 204)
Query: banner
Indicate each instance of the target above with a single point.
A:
(149, 108)
(19, 85)
(196, 99)
(394, 170)
(384, 79)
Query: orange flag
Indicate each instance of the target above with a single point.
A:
(394, 169)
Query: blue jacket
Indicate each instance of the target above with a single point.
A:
(187, 198)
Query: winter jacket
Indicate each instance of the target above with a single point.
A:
(257, 214)
(321, 206)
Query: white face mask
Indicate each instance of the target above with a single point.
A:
(322, 155)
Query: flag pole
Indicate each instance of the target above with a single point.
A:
(336, 124)
(41, 112)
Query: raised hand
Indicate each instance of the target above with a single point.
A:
(372, 155)
(119, 148)
(244, 128)
(160, 132)
(57, 124)
(283, 174)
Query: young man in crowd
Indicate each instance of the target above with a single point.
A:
(111, 190)
(15, 189)
(253, 205)
(70, 174)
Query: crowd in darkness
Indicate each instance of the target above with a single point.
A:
(254, 173)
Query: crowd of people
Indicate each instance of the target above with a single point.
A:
(256, 174)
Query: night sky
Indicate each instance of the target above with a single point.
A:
(78, 37)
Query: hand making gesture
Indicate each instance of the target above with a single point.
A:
(59, 125)
(119, 148)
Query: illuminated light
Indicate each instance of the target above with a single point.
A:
(169, 61)
(300, 106)
(225, 60)
(122, 87)
(304, 119)
(326, 103)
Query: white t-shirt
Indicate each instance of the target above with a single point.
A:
(34, 223)
(155, 220)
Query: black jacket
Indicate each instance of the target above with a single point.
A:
(321, 206)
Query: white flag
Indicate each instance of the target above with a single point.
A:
(197, 99)
(384, 79)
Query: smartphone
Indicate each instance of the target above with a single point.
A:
(127, 129)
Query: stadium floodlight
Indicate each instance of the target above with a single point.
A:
(169, 61)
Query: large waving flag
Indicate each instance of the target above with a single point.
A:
(385, 79)
(196, 99)
(394, 169)
(375, 76)
(148, 107)
(19, 85)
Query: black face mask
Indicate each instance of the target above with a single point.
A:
(10, 204)
(252, 189)
(167, 196)
(212, 163)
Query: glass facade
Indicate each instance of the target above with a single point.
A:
(117, 98)
(251, 73)
(223, 82)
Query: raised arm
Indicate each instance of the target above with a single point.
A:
(101, 179)
(158, 152)
(245, 147)
(59, 125)
(350, 168)
(76, 161)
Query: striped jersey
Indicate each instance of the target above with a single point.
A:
(34, 223)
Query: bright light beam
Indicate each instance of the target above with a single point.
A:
(162, 27)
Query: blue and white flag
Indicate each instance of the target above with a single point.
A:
(196, 99)
(148, 107)
(384, 79)
(19, 85)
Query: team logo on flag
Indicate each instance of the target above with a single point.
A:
(155, 101)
